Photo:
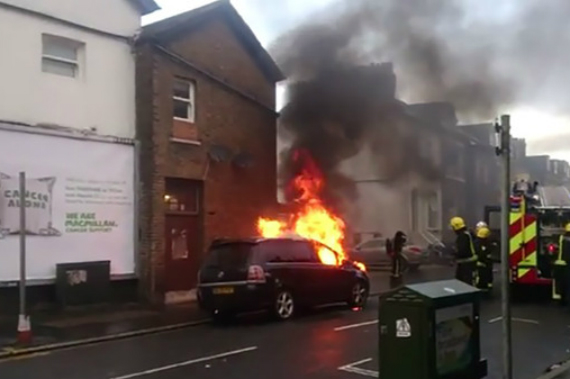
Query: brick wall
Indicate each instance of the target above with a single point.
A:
(233, 198)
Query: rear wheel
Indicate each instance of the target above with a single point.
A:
(284, 306)
(358, 295)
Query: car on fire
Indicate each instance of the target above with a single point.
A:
(280, 275)
(373, 253)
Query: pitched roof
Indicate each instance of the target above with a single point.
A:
(145, 6)
(172, 26)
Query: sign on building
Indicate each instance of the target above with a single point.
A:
(79, 202)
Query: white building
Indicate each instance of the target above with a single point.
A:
(70, 63)
(67, 120)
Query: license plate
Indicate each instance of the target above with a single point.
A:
(223, 291)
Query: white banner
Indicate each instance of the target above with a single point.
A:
(79, 203)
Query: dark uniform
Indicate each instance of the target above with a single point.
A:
(484, 248)
(465, 253)
(395, 247)
(561, 285)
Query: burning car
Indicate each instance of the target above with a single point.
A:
(276, 274)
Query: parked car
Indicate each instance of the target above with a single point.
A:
(279, 275)
(373, 254)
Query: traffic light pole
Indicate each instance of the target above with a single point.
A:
(504, 151)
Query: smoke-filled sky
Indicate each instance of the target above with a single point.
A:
(488, 56)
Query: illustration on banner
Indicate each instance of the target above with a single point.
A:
(39, 195)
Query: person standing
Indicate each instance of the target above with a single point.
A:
(561, 283)
(395, 248)
(484, 259)
(465, 252)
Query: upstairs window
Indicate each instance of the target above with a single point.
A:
(183, 97)
(60, 56)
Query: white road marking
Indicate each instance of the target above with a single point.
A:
(186, 363)
(351, 326)
(351, 367)
(525, 320)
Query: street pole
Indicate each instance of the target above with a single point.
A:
(24, 332)
(504, 152)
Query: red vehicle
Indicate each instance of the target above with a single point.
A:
(534, 232)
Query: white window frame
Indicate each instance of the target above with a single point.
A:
(190, 100)
(76, 45)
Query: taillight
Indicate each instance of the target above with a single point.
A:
(255, 274)
(551, 248)
(415, 249)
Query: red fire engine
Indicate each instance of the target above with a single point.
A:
(534, 233)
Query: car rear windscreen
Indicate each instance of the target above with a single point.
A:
(229, 255)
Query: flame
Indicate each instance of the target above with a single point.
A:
(313, 221)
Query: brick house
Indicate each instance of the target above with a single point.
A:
(206, 123)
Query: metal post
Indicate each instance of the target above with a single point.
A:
(505, 222)
(22, 244)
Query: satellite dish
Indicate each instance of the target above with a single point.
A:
(219, 153)
(243, 160)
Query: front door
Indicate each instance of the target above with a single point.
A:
(182, 252)
(182, 234)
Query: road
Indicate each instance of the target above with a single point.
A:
(329, 343)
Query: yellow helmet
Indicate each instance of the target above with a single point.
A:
(483, 232)
(457, 223)
(567, 228)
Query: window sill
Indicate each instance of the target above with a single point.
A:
(186, 120)
(186, 141)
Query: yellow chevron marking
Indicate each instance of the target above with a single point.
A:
(527, 233)
(522, 272)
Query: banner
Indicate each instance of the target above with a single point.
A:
(79, 203)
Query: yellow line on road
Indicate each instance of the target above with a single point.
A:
(22, 357)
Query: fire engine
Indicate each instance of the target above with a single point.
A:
(534, 231)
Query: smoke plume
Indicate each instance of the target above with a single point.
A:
(480, 55)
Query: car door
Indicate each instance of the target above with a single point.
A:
(373, 252)
(332, 279)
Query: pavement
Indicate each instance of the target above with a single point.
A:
(331, 343)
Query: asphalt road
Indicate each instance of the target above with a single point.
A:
(330, 343)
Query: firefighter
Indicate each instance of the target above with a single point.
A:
(561, 284)
(484, 259)
(480, 224)
(395, 248)
(466, 255)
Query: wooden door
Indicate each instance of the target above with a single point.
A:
(182, 234)
(182, 252)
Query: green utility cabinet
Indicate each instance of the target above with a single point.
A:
(430, 331)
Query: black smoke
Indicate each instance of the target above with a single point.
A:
(483, 56)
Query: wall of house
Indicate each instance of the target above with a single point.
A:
(100, 97)
(233, 197)
(113, 16)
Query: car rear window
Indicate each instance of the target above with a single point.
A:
(286, 251)
(229, 255)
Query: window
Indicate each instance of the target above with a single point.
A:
(183, 98)
(60, 56)
(433, 218)
(288, 251)
(182, 195)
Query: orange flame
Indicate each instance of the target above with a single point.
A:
(314, 221)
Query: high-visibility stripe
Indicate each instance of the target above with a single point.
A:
(522, 272)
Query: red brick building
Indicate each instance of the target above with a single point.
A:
(207, 131)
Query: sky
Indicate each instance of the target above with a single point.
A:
(267, 24)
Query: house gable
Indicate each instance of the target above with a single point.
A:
(216, 39)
